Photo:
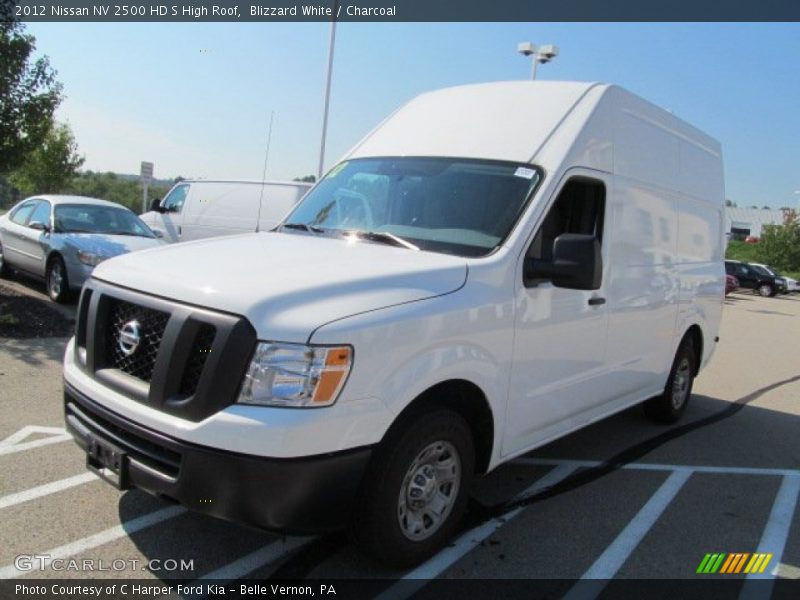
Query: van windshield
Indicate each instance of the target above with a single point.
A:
(450, 205)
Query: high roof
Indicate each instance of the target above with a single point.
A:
(501, 121)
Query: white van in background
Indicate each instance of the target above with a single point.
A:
(201, 208)
(493, 267)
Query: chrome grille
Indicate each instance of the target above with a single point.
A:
(152, 323)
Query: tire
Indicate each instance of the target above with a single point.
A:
(56, 280)
(671, 404)
(5, 270)
(765, 290)
(386, 524)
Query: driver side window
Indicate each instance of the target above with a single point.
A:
(41, 213)
(579, 208)
(175, 199)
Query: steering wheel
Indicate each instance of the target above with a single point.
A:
(353, 210)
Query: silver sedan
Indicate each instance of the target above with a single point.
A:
(62, 238)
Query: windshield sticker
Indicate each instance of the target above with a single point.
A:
(525, 172)
(335, 170)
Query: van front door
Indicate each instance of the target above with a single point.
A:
(560, 333)
(173, 205)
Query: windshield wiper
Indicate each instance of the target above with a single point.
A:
(384, 237)
(303, 227)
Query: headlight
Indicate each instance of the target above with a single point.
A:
(295, 375)
(90, 258)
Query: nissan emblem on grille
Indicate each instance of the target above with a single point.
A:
(129, 338)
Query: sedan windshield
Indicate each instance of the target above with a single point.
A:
(94, 218)
(455, 206)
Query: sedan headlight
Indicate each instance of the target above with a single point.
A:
(90, 259)
(295, 375)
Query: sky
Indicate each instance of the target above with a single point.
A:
(196, 99)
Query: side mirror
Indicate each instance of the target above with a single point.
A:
(38, 225)
(577, 263)
(158, 233)
(155, 205)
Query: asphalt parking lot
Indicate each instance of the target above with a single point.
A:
(622, 499)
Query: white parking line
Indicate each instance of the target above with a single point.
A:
(773, 540)
(46, 489)
(98, 539)
(606, 566)
(12, 444)
(434, 567)
(28, 430)
(659, 467)
(250, 562)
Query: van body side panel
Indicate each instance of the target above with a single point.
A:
(220, 209)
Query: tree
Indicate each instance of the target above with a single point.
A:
(730, 203)
(29, 93)
(780, 244)
(306, 179)
(49, 167)
(110, 186)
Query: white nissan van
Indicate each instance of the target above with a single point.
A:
(200, 208)
(493, 267)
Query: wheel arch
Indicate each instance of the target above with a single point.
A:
(466, 399)
(695, 334)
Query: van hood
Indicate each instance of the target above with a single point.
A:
(287, 285)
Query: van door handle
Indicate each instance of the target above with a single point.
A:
(596, 301)
(180, 230)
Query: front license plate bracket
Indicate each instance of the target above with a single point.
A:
(107, 461)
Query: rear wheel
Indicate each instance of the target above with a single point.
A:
(57, 282)
(670, 406)
(415, 491)
(766, 290)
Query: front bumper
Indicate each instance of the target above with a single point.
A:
(311, 494)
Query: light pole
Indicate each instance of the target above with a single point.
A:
(541, 55)
(327, 97)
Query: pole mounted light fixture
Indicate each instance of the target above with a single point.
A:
(540, 55)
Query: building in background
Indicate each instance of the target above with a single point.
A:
(743, 222)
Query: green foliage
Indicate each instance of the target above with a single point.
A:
(778, 247)
(50, 166)
(110, 186)
(780, 244)
(306, 179)
(743, 251)
(29, 93)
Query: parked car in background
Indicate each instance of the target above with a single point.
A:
(791, 284)
(731, 284)
(754, 279)
(62, 238)
(202, 208)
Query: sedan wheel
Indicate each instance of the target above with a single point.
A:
(57, 283)
(766, 290)
(3, 266)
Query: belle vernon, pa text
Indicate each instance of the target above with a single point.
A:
(135, 589)
(197, 12)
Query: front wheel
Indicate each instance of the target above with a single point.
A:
(57, 282)
(671, 404)
(415, 491)
(766, 290)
